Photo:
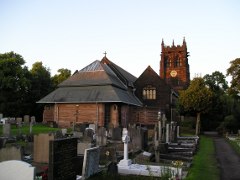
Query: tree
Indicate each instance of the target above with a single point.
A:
(216, 82)
(234, 72)
(14, 84)
(62, 75)
(218, 85)
(197, 99)
(41, 85)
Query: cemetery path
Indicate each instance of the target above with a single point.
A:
(228, 159)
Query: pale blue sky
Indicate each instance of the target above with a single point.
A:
(73, 33)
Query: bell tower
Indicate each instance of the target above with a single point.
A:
(174, 67)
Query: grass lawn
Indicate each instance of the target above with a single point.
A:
(204, 163)
(36, 129)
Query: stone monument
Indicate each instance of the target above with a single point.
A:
(125, 138)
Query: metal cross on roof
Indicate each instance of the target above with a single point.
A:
(105, 53)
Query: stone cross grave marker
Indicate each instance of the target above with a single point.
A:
(90, 162)
(125, 138)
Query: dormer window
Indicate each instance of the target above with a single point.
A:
(149, 92)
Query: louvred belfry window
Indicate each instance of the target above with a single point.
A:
(149, 92)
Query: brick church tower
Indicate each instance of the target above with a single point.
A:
(174, 67)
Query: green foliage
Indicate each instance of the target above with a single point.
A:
(20, 88)
(235, 145)
(14, 84)
(218, 110)
(62, 75)
(197, 98)
(216, 82)
(41, 85)
(234, 72)
(204, 162)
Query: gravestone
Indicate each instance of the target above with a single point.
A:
(93, 127)
(11, 170)
(41, 147)
(136, 138)
(90, 162)
(77, 134)
(88, 135)
(81, 146)
(30, 127)
(144, 133)
(80, 127)
(11, 153)
(178, 131)
(117, 134)
(33, 120)
(101, 137)
(19, 121)
(63, 154)
(26, 119)
(6, 129)
(64, 131)
(167, 133)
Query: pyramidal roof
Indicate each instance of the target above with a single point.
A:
(95, 74)
(100, 81)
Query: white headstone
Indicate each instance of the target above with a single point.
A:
(12, 170)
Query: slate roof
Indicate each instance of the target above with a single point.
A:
(100, 81)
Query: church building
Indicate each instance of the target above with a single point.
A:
(105, 94)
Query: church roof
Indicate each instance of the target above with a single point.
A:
(91, 94)
(100, 81)
(95, 74)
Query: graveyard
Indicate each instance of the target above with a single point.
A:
(83, 152)
(45, 151)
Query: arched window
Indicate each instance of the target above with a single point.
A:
(149, 92)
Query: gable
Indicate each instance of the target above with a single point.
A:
(149, 78)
